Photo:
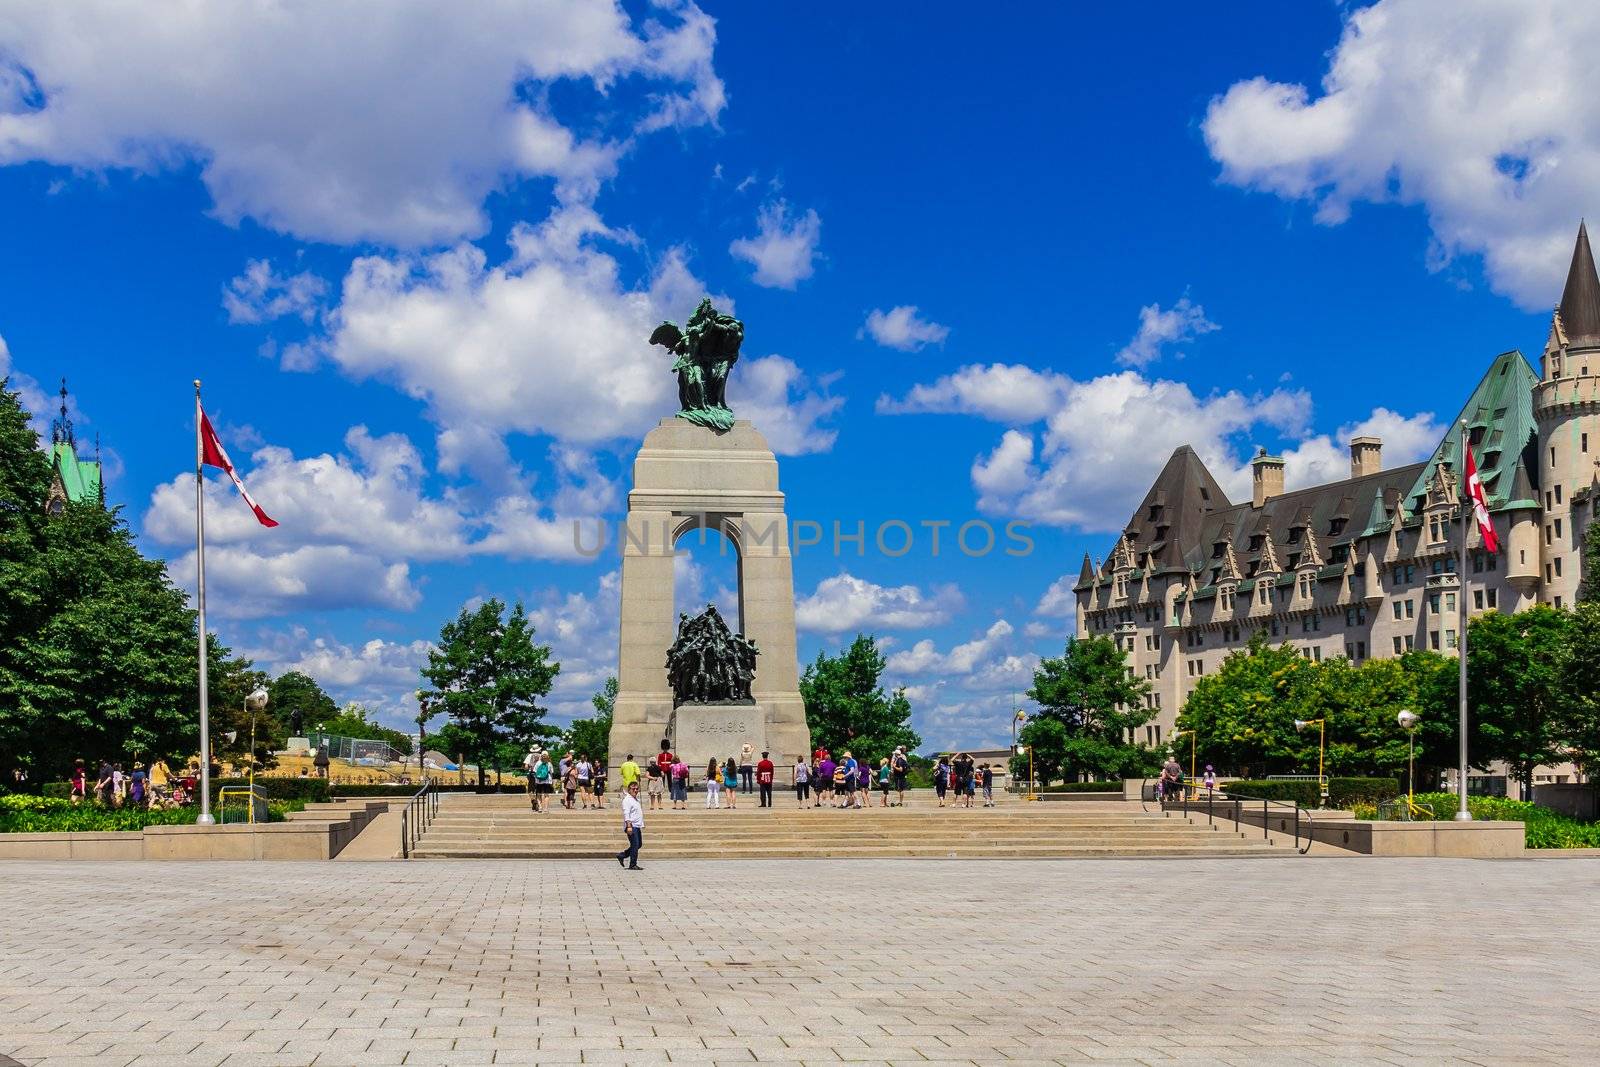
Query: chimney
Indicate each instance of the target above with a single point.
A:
(1266, 477)
(1366, 456)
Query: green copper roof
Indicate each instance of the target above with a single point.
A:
(80, 478)
(1499, 416)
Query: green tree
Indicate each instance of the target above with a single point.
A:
(358, 721)
(1589, 588)
(1090, 694)
(1516, 681)
(1243, 715)
(295, 695)
(592, 737)
(1578, 720)
(846, 705)
(487, 675)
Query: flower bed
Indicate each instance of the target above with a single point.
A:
(1542, 828)
(22, 814)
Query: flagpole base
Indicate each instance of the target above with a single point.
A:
(1463, 816)
(211, 820)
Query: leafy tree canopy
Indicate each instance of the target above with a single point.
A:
(847, 707)
(487, 675)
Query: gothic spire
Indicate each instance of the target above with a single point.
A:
(1580, 300)
(61, 425)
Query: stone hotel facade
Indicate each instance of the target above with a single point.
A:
(1366, 567)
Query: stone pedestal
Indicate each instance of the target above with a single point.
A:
(701, 732)
(687, 477)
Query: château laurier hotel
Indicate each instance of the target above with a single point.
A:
(1366, 567)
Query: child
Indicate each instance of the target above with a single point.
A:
(883, 782)
(988, 785)
(570, 783)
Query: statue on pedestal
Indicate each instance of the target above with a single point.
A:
(706, 350)
(708, 663)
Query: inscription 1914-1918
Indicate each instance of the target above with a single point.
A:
(722, 726)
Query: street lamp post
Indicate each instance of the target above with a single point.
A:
(1409, 721)
(255, 702)
(1322, 748)
(1020, 718)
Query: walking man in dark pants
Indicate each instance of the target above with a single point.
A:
(633, 826)
(764, 779)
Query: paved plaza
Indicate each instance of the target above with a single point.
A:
(872, 961)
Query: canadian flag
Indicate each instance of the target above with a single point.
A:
(1480, 504)
(212, 454)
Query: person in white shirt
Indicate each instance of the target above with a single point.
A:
(633, 826)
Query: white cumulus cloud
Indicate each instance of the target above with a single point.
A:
(784, 249)
(551, 342)
(347, 122)
(845, 602)
(1160, 327)
(1484, 113)
(903, 328)
(261, 294)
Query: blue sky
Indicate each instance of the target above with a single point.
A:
(989, 270)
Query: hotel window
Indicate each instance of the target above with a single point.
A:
(1493, 599)
(1398, 610)
(1493, 562)
(1547, 575)
(1305, 625)
(1547, 538)
(1274, 627)
(1397, 646)
(1349, 651)
(1361, 650)
(1477, 563)
(1316, 653)
(1586, 442)
(1433, 640)
(1411, 573)
(1158, 698)
(1558, 529)
(1558, 494)
(1558, 566)
(1477, 599)
(1399, 574)
(1449, 639)
(1410, 643)
(1433, 603)
(1411, 609)
(1265, 592)
(1449, 602)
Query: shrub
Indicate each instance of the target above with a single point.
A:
(1342, 792)
(1542, 828)
(61, 790)
(1080, 787)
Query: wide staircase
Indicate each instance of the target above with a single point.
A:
(470, 826)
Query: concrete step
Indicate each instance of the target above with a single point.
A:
(1062, 851)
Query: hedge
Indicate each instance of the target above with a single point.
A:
(1342, 792)
(310, 790)
(1077, 787)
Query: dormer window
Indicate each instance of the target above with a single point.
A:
(1294, 534)
(1256, 541)
(1336, 527)
(1218, 549)
(1294, 560)
(1155, 513)
(1161, 532)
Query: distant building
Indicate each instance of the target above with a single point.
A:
(71, 479)
(1366, 567)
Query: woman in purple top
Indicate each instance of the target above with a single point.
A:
(825, 771)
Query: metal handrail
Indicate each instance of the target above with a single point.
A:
(1219, 798)
(416, 815)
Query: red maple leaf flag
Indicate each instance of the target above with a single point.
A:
(214, 455)
(1480, 504)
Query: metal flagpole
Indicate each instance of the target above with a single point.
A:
(200, 599)
(1463, 815)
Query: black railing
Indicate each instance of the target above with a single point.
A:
(1217, 804)
(416, 815)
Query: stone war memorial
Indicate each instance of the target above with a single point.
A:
(707, 686)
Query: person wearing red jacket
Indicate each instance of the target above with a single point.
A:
(764, 779)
